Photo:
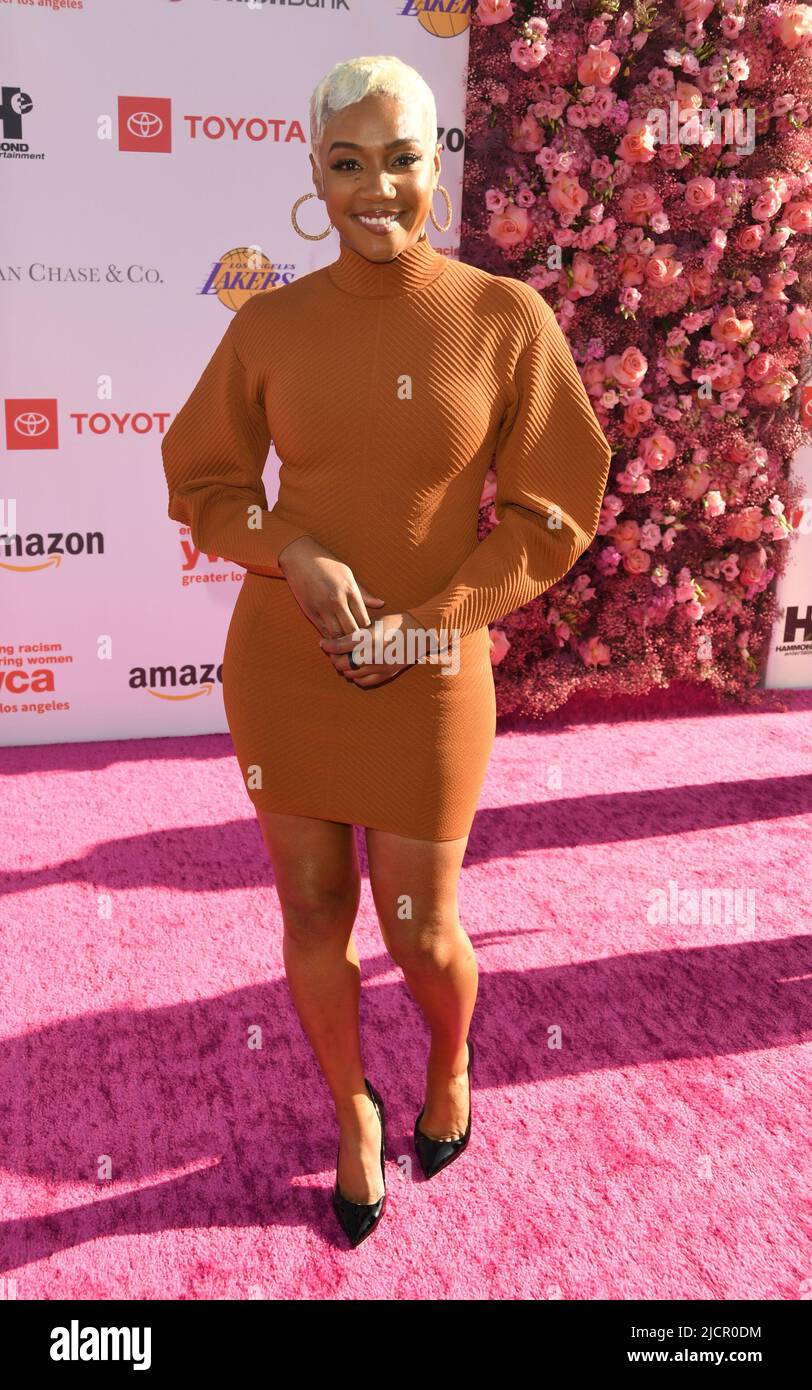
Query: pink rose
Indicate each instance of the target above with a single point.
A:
(632, 269)
(730, 376)
(794, 26)
(658, 451)
(695, 11)
(745, 525)
(628, 369)
(637, 145)
(729, 329)
(509, 227)
(695, 481)
(626, 536)
(712, 594)
(598, 65)
(754, 566)
(749, 239)
(700, 193)
(766, 206)
(799, 322)
(714, 503)
(777, 391)
(566, 195)
(798, 216)
(637, 561)
(700, 282)
(593, 375)
(584, 277)
(638, 202)
(638, 412)
(688, 97)
(761, 367)
(527, 135)
(661, 270)
(494, 11)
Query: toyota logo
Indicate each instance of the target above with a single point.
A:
(144, 124)
(31, 424)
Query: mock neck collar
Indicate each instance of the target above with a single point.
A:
(419, 265)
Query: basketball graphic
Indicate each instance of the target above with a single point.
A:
(242, 273)
(444, 24)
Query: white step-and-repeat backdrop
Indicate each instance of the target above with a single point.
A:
(151, 153)
(788, 662)
(150, 156)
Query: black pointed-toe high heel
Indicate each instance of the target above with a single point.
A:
(436, 1154)
(359, 1219)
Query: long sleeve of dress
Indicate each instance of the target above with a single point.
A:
(552, 466)
(213, 456)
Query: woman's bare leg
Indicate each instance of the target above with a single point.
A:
(318, 879)
(420, 877)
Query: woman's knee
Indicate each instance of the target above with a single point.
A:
(314, 912)
(429, 942)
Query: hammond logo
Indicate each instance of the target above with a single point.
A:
(145, 124)
(243, 272)
(103, 1344)
(797, 623)
(161, 681)
(31, 423)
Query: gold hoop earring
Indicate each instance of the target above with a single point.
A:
(448, 207)
(308, 235)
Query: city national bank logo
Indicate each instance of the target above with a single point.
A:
(31, 423)
(241, 273)
(176, 682)
(14, 105)
(145, 124)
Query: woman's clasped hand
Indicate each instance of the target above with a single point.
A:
(332, 599)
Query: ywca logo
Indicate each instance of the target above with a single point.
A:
(31, 424)
(14, 105)
(145, 123)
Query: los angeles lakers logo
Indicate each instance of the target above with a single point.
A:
(239, 274)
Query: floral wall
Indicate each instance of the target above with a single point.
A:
(647, 169)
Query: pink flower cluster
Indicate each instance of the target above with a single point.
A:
(632, 190)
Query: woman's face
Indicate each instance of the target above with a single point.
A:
(374, 158)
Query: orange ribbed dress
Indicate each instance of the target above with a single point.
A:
(388, 390)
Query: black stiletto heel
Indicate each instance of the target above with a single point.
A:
(359, 1219)
(436, 1154)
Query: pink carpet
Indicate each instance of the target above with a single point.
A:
(641, 1097)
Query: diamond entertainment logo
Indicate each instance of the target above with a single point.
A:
(145, 124)
(14, 104)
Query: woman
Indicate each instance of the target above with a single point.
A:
(389, 381)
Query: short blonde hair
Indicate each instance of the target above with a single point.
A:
(350, 81)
